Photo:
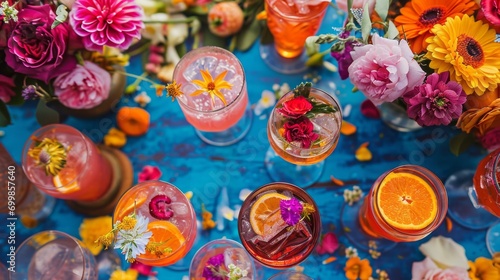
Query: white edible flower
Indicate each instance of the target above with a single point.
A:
(133, 242)
(445, 252)
(142, 99)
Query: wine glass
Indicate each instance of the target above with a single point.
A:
(303, 129)
(405, 204)
(291, 22)
(290, 274)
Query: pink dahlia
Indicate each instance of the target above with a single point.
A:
(435, 102)
(113, 23)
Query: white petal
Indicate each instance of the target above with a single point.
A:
(445, 252)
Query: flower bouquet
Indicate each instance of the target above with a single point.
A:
(438, 60)
(64, 53)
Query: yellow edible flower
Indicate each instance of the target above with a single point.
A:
(211, 86)
(92, 228)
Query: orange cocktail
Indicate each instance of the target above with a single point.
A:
(487, 182)
(405, 204)
(291, 24)
(170, 219)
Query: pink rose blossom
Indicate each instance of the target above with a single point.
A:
(384, 70)
(295, 107)
(300, 130)
(85, 87)
(149, 173)
(328, 245)
(428, 270)
(6, 88)
(357, 4)
(107, 23)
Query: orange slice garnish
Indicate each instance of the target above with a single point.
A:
(265, 213)
(65, 181)
(407, 201)
(169, 236)
(127, 205)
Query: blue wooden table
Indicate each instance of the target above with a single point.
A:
(192, 165)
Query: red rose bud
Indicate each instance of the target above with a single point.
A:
(295, 107)
(300, 130)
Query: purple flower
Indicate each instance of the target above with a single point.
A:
(343, 57)
(436, 102)
(29, 92)
(291, 209)
(37, 50)
(211, 270)
(107, 23)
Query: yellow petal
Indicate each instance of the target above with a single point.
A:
(189, 194)
(200, 83)
(223, 84)
(362, 153)
(198, 92)
(220, 77)
(115, 138)
(347, 128)
(206, 76)
(220, 96)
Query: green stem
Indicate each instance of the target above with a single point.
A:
(141, 78)
(173, 21)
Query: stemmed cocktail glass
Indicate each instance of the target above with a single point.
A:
(279, 225)
(405, 204)
(476, 198)
(289, 274)
(303, 129)
(291, 22)
(210, 85)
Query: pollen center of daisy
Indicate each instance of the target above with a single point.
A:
(470, 50)
(431, 16)
(211, 86)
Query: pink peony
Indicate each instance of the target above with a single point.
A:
(300, 130)
(384, 70)
(36, 49)
(428, 270)
(356, 4)
(113, 23)
(6, 88)
(295, 107)
(85, 87)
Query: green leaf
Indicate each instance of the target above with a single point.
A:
(366, 24)
(46, 115)
(181, 49)
(303, 89)
(4, 115)
(248, 35)
(392, 31)
(210, 39)
(315, 60)
(459, 143)
(382, 8)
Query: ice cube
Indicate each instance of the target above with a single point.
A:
(192, 71)
(180, 209)
(238, 257)
(303, 5)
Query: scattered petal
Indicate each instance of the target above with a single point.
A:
(328, 245)
(148, 173)
(329, 260)
(445, 252)
(134, 121)
(347, 128)
(449, 224)
(115, 138)
(330, 66)
(142, 99)
(347, 111)
(244, 193)
(189, 195)
(268, 99)
(143, 269)
(362, 153)
(369, 110)
(227, 213)
(337, 181)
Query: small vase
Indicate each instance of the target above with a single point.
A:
(396, 117)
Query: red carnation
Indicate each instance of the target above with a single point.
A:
(295, 107)
(300, 130)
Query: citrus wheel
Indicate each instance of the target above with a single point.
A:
(65, 181)
(167, 236)
(265, 213)
(126, 205)
(406, 201)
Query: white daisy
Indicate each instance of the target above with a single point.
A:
(133, 242)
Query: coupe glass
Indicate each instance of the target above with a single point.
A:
(222, 255)
(291, 22)
(368, 226)
(290, 275)
(54, 255)
(217, 123)
(267, 237)
(290, 161)
(476, 198)
(170, 218)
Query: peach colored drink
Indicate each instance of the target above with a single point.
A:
(292, 24)
(487, 182)
(86, 176)
(201, 111)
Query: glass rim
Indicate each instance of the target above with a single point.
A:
(298, 16)
(335, 102)
(302, 194)
(496, 166)
(232, 56)
(40, 131)
(290, 273)
(193, 213)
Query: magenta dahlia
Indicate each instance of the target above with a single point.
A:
(113, 23)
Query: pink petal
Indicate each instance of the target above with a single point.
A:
(143, 269)
(328, 244)
(149, 173)
(369, 110)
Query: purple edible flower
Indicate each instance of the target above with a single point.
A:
(343, 56)
(29, 92)
(436, 102)
(291, 209)
(210, 272)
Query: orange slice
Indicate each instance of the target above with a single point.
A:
(406, 201)
(127, 204)
(169, 236)
(65, 181)
(265, 213)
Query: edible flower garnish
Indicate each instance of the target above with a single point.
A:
(50, 154)
(293, 211)
(174, 90)
(215, 269)
(211, 86)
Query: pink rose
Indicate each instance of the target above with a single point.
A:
(85, 87)
(342, 4)
(300, 130)
(428, 270)
(295, 107)
(384, 70)
(6, 88)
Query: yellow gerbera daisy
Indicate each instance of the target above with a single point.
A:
(50, 154)
(212, 86)
(467, 49)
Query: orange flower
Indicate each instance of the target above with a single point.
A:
(482, 119)
(483, 269)
(476, 101)
(134, 121)
(358, 269)
(419, 16)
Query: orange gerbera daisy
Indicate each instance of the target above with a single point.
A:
(419, 16)
(358, 269)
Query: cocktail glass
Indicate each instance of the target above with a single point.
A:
(405, 204)
(291, 22)
(290, 275)
(223, 116)
(18, 195)
(476, 197)
(54, 255)
(299, 145)
(222, 256)
(64, 163)
(168, 216)
(279, 225)
(4, 273)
